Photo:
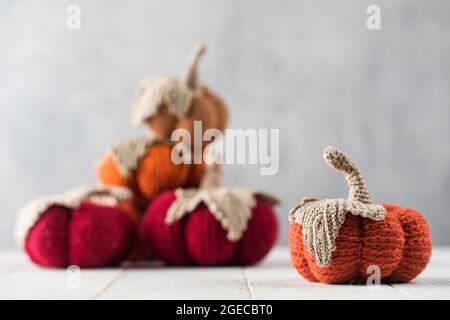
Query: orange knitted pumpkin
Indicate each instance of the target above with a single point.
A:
(337, 240)
(145, 166)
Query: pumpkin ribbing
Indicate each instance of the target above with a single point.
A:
(398, 242)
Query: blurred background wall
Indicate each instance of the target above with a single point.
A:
(310, 68)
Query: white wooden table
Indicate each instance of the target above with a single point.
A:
(275, 278)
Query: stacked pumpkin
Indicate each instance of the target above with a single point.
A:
(188, 220)
(163, 104)
(341, 240)
(211, 225)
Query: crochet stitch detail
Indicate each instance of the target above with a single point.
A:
(322, 219)
(341, 162)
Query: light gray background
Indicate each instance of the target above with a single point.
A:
(310, 68)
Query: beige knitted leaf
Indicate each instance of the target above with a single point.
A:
(372, 211)
(232, 207)
(322, 219)
(155, 92)
(129, 153)
(177, 94)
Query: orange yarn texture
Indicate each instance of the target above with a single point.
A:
(157, 172)
(206, 110)
(400, 245)
(219, 106)
(109, 173)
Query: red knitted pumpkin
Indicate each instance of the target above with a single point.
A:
(87, 227)
(337, 240)
(210, 226)
(199, 238)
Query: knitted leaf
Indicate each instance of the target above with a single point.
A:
(232, 207)
(155, 92)
(322, 219)
(177, 94)
(128, 153)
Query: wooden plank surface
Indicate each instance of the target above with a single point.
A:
(273, 279)
(277, 279)
(20, 279)
(434, 282)
(178, 283)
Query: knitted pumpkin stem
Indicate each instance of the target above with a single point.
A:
(341, 162)
(213, 176)
(191, 72)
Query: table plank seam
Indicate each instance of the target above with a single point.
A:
(108, 285)
(408, 295)
(248, 285)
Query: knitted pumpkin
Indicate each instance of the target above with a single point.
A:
(88, 227)
(145, 166)
(210, 225)
(165, 104)
(337, 240)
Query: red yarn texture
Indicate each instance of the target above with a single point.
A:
(199, 239)
(400, 245)
(90, 236)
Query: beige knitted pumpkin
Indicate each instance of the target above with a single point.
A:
(165, 104)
